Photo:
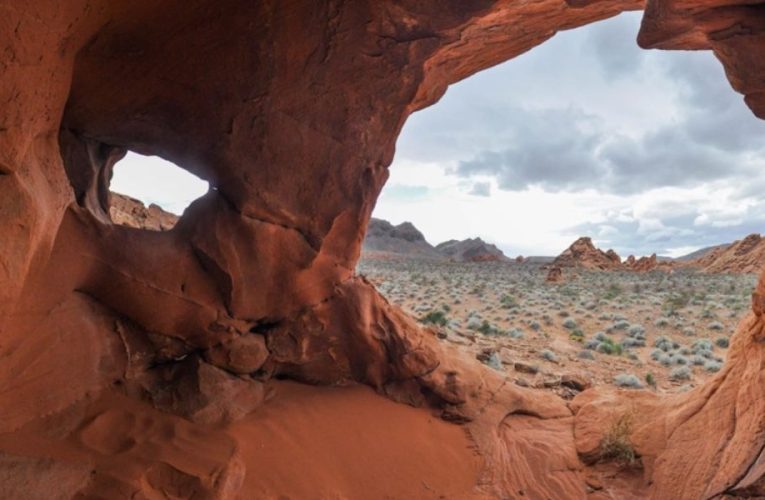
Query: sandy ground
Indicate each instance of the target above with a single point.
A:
(663, 332)
(306, 442)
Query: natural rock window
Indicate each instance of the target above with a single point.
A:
(148, 192)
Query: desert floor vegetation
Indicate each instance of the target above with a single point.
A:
(672, 329)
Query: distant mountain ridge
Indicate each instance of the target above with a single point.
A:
(404, 240)
(385, 240)
(471, 250)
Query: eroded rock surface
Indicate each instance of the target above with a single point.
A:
(584, 254)
(743, 256)
(130, 212)
(119, 346)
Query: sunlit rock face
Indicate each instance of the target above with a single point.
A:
(133, 361)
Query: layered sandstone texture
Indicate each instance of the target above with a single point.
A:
(584, 254)
(128, 211)
(743, 256)
(237, 355)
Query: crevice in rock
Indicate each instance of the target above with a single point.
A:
(315, 245)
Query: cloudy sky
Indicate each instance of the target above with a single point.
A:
(587, 134)
(645, 151)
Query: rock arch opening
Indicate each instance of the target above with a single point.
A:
(148, 192)
(592, 140)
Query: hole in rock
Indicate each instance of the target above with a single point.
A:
(648, 153)
(151, 193)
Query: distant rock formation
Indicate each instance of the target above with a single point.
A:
(643, 264)
(130, 212)
(742, 256)
(584, 254)
(384, 240)
(554, 275)
(471, 250)
(403, 240)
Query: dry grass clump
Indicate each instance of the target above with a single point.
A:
(615, 446)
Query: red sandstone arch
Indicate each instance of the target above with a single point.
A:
(291, 110)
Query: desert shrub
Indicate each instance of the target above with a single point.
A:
(435, 318)
(663, 343)
(661, 322)
(473, 323)
(701, 345)
(493, 361)
(627, 380)
(585, 355)
(613, 291)
(534, 325)
(675, 302)
(722, 342)
(636, 331)
(515, 333)
(608, 346)
(591, 344)
(680, 373)
(650, 379)
(507, 301)
(698, 360)
(665, 359)
(679, 359)
(712, 366)
(577, 335)
(622, 324)
(656, 354)
(486, 328)
(569, 323)
(630, 342)
(548, 355)
(715, 325)
(600, 336)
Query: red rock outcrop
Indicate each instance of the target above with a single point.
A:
(584, 254)
(742, 256)
(641, 265)
(554, 275)
(126, 353)
(130, 212)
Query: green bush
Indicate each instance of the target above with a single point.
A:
(435, 318)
